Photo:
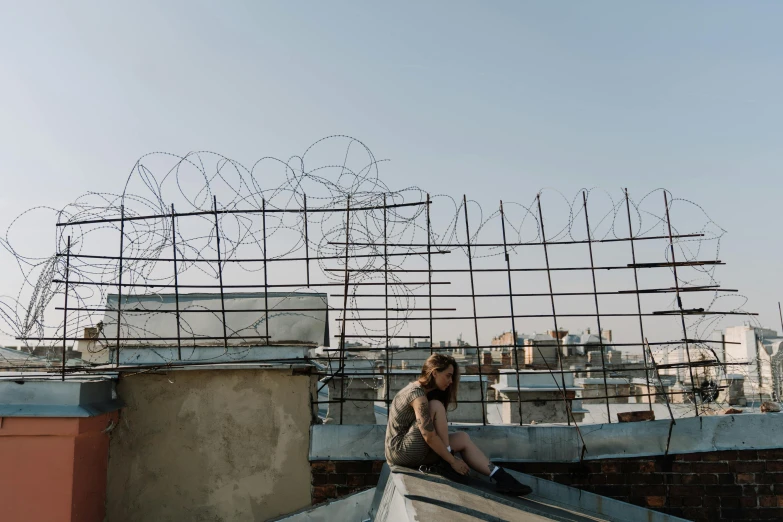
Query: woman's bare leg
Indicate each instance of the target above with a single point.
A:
(438, 414)
(474, 457)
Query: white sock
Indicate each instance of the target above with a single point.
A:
(448, 448)
(493, 471)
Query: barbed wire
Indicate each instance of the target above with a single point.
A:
(331, 174)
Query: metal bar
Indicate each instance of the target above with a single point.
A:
(429, 268)
(564, 391)
(176, 280)
(710, 288)
(357, 336)
(244, 310)
(499, 245)
(307, 265)
(780, 313)
(665, 398)
(679, 303)
(475, 321)
(494, 401)
(511, 304)
(660, 381)
(597, 311)
(65, 313)
(119, 277)
(102, 371)
(403, 348)
(225, 212)
(254, 259)
(528, 316)
(307, 243)
(266, 278)
(386, 301)
(292, 285)
(220, 275)
(200, 338)
(638, 297)
(345, 301)
(541, 269)
(552, 298)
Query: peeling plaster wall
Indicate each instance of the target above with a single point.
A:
(210, 445)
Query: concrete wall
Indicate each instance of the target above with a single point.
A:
(547, 443)
(594, 392)
(210, 445)
(354, 508)
(470, 390)
(361, 410)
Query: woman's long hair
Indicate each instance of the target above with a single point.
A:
(440, 362)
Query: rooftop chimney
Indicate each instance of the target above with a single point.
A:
(560, 334)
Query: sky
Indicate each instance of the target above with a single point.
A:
(491, 99)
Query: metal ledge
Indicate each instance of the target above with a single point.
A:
(52, 398)
(562, 444)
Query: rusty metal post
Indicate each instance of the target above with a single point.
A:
(679, 305)
(119, 283)
(597, 311)
(511, 304)
(176, 281)
(345, 305)
(475, 314)
(552, 299)
(638, 298)
(220, 274)
(65, 307)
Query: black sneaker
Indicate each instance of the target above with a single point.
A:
(508, 485)
(445, 470)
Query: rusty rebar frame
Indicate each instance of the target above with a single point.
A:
(432, 248)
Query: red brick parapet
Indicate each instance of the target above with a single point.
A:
(335, 479)
(719, 485)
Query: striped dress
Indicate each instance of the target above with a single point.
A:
(405, 445)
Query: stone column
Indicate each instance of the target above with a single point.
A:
(543, 399)
(469, 390)
(735, 389)
(360, 411)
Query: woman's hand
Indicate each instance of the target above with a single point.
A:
(460, 467)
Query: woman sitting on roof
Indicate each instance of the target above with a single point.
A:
(417, 433)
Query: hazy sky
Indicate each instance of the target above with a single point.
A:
(493, 99)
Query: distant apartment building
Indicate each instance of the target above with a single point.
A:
(758, 356)
(414, 355)
(575, 349)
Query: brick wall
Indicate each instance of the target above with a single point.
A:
(723, 485)
(335, 479)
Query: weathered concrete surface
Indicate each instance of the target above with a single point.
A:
(210, 446)
(404, 494)
(353, 508)
(562, 443)
(593, 392)
(359, 393)
(74, 397)
(471, 388)
(542, 395)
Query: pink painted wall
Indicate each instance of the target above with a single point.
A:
(54, 469)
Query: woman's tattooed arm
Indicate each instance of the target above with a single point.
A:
(424, 419)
